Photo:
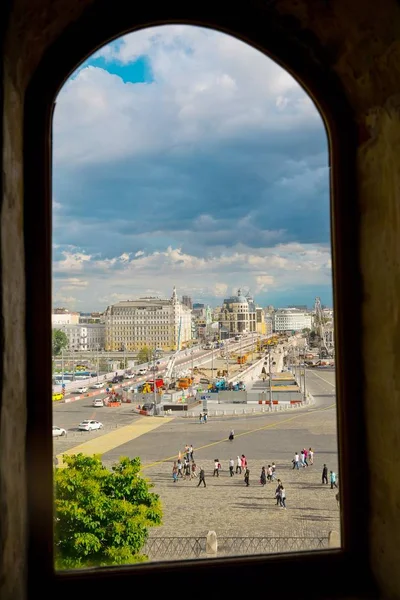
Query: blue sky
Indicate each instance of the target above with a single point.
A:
(184, 157)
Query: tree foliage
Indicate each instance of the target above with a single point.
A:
(145, 355)
(59, 340)
(102, 516)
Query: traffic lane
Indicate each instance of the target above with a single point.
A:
(75, 437)
(68, 416)
(322, 387)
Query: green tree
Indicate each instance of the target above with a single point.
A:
(102, 516)
(145, 355)
(60, 341)
(306, 330)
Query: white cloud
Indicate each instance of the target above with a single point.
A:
(70, 283)
(283, 267)
(72, 262)
(220, 289)
(212, 86)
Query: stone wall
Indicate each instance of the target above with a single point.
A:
(355, 41)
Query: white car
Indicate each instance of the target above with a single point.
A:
(98, 402)
(89, 425)
(142, 371)
(58, 431)
(98, 385)
(82, 390)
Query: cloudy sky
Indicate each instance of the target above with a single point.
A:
(184, 157)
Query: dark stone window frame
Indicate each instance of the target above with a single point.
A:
(298, 52)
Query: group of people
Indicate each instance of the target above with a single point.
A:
(186, 468)
(303, 458)
(203, 417)
(332, 477)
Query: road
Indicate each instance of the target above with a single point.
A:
(184, 361)
(226, 505)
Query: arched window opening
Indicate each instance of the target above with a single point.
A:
(193, 322)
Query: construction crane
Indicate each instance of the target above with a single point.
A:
(319, 325)
(172, 359)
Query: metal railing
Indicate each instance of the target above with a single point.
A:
(183, 548)
(175, 548)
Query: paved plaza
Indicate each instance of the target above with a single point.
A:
(226, 505)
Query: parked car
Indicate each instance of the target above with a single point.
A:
(89, 425)
(82, 390)
(58, 431)
(98, 385)
(97, 402)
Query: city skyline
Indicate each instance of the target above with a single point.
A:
(217, 303)
(184, 155)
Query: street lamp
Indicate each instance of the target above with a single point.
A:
(270, 376)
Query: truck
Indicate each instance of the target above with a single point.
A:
(184, 383)
(148, 386)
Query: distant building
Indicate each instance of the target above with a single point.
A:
(62, 316)
(187, 301)
(302, 307)
(198, 305)
(238, 315)
(260, 321)
(153, 322)
(269, 323)
(291, 319)
(93, 317)
(202, 318)
(83, 337)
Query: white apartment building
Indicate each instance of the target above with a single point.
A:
(83, 336)
(63, 317)
(151, 322)
(291, 319)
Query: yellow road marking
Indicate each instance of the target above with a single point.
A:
(269, 426)
(109, 441)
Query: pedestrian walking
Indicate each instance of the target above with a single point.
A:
(247, 477)
(305, 456)
(263, 477)
(311, 455)
(187, 470)
(231, 465)
(216, 468)
(278, 492)
(269, 474)
(333, 479)
(231, 435)
(238, 465)
(244, 462)
(205, 418)
(191, 452)
(283, 497)
(201, 417)
(325, 474)
(175, 472)
(295, 461)
(179, 465)
(201, 477)
(273, 469)
(194, 472)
